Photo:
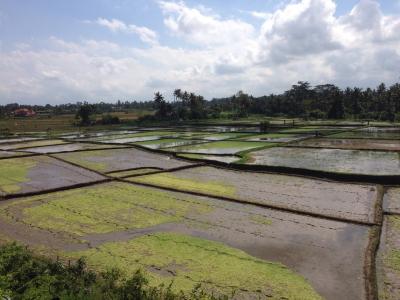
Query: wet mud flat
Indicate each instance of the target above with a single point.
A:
(339, 200)
(388, 259)
(221, 147)
(223, 136)
(87, 135)
(329, 254)
(30, 144)
(275, 138)
(167, 143)
(40, 173)
(362, 144)
(133, 137)
(67, 148)
(391, 201)
(121, 159)
(371, 133)
(329, 160)
(17, 140)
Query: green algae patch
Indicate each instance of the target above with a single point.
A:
(186, 261)
(184, 184)
(133, 172)
(261, 220)
(108, 208)
(13, 172)
(393, 260)
(87, 159)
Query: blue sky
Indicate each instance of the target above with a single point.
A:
(210, 47)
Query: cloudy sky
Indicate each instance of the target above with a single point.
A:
(66, 51)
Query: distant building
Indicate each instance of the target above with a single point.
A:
(24, 112)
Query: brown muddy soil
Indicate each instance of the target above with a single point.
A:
(329, 254)
(339, 200)
(122, 159)
(67, 148)
(50, 173)
(362, 144)
(391, 201)
(388, 260)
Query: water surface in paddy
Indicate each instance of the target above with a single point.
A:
(330, 160)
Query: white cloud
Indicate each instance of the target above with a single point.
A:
(302, 40)
(145, 34)
(201, 29)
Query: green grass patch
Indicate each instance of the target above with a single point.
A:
(186, 261)
(108, 208)
(185, 184)
(13, 172)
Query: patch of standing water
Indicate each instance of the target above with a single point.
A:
(330, 160)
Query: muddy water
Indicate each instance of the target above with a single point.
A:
(330, 160)
(328, 254)
(50, 173)
(122, 159)
(209, 149)
(132, 139)
(348, 201)
(16, 140)
(391, 201)
(365, 144)
(277, 139)
(165, 143)
(66, 148)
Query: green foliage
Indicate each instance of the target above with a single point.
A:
(25, 276)
(108, 119)
(84, 112)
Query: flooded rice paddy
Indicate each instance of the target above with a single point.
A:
(330, 160)
(118, 220)
(263, 235)
(359, 144)
(120, 159)
(347, 201)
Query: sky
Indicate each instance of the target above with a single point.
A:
(108, 50)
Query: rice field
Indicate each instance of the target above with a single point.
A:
(203, 204)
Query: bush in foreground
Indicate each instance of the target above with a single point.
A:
(26, 276)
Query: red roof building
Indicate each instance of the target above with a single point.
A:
(24, 112)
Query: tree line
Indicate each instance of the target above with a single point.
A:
(302, 100)
(325, 101)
